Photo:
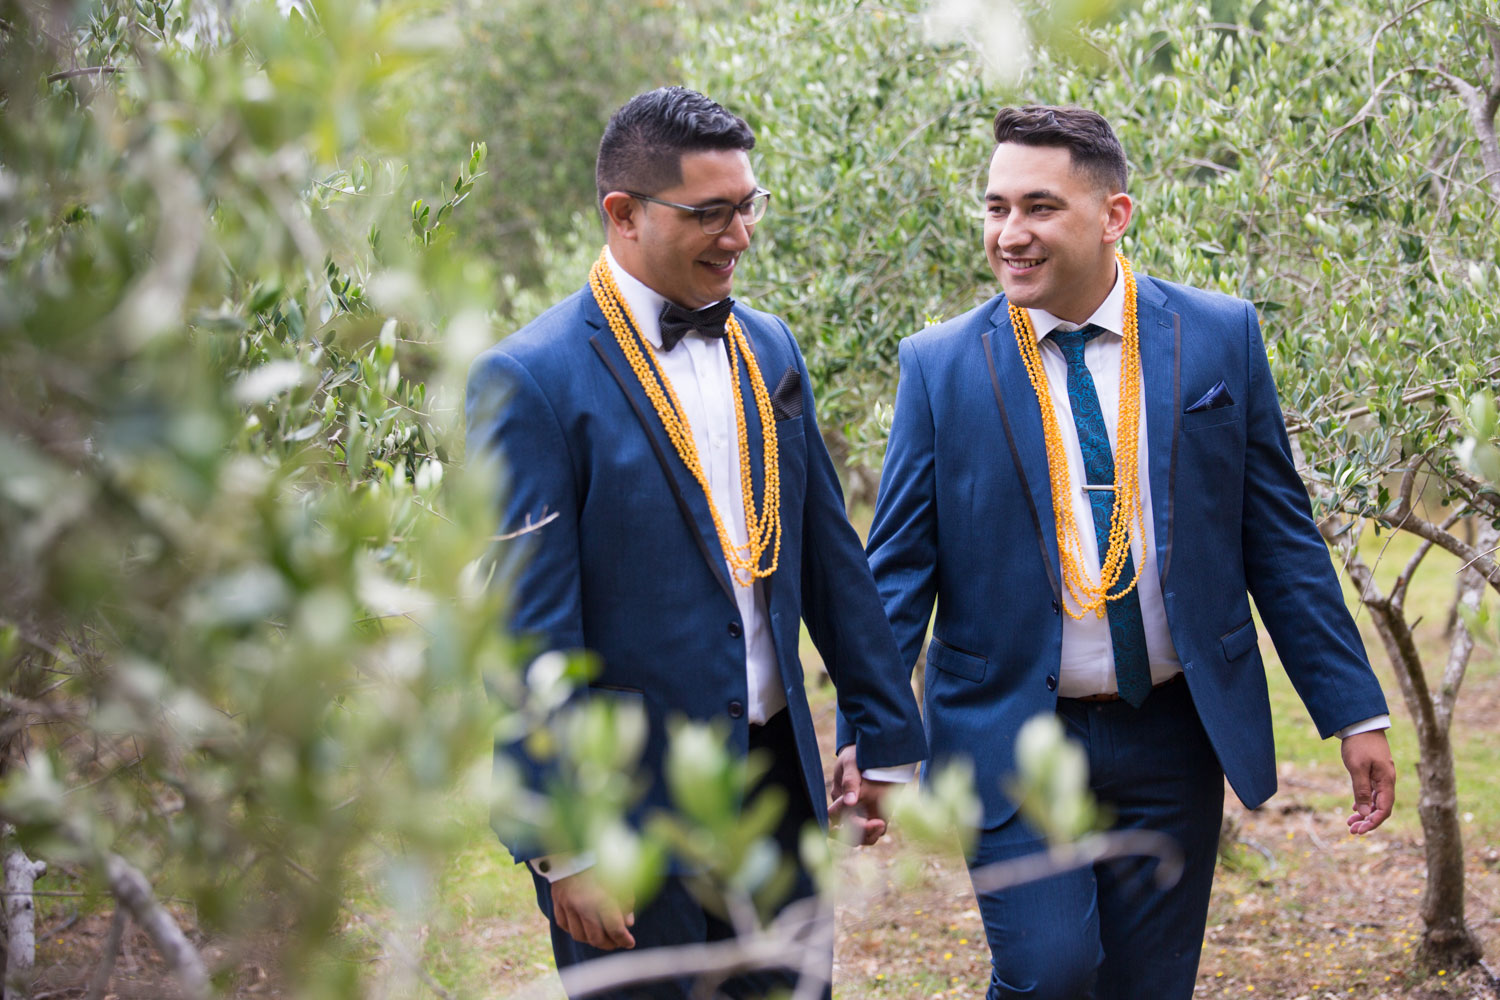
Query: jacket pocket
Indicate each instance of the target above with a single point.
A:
(1239, 640)
(1199, 419)
(950, 660)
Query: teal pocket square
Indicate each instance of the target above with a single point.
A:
(1214, 399)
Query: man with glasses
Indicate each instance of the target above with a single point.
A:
(661, 439)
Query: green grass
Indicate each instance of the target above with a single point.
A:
(1477, 748)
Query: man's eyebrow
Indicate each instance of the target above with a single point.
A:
(1042, 194)
(725, 202)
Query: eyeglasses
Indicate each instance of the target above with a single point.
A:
(719, 216)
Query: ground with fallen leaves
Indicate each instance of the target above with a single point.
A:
(1300, 910)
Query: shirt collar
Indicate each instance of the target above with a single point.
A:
(1110, 315)
(645, 302)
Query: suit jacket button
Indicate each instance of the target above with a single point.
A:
(735, 631)
(1051, 682)
(736, 709)
(1055, 608)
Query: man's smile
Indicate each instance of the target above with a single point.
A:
(722, 267)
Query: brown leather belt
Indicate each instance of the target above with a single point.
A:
(1114, 696)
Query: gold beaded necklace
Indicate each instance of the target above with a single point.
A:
(763, 529)
(1128, 510)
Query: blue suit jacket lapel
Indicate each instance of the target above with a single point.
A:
(1161, 377)
(1021, 416)
(691, 502)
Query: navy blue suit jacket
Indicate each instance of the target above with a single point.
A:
(964, 518)
(631, 567)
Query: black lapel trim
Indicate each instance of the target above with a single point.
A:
(715, 559)
(1015, 457)
(1166, 555)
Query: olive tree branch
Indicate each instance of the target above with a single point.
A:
(69, 74)
(801, 936)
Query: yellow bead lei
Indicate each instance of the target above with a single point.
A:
(1128, 513)
(763, 529)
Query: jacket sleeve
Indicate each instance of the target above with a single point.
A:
(903, 537)
(877, 711)
(514, 435)
(1288, 569)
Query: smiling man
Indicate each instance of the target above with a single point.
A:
(662, 439)
(1090, 476)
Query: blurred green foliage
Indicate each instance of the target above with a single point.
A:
(244, 632)
(536, 80)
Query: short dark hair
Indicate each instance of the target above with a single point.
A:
(644, 141)
(1083, 133)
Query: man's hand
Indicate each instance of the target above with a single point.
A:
(588, 913)
(1367, 756)
(850, 793)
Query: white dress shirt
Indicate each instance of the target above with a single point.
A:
(1088, 659)
(698, 368)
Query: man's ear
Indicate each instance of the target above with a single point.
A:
(622, 212)
(1117, 211)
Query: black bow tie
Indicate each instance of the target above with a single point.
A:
(677, 322)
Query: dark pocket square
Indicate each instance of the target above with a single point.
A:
(1214, 399)
(786, 399)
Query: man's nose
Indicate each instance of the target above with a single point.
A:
(1014, 233)
(737, 236)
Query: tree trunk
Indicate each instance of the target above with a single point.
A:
(1447, 941)
(21, 874)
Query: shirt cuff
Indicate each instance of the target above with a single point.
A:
(556, 866)
(901, 773)
(1375, 722)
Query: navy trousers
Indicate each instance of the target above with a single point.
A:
(1109, 932)
(676, 917)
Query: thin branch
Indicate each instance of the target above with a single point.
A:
(1414, 396)
(1488, 552)
(1473, 485)
(1081, 854)
(799, 937)
(1492, 32)
(100, 980)
(409, 958)
(32, 639)
(526, 528)
(131, 888)
(1422, 528)
(1375, 38)
(69, 74)
(1403, 579)
(1396, 637)
(1461, 646)
(793, 930)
